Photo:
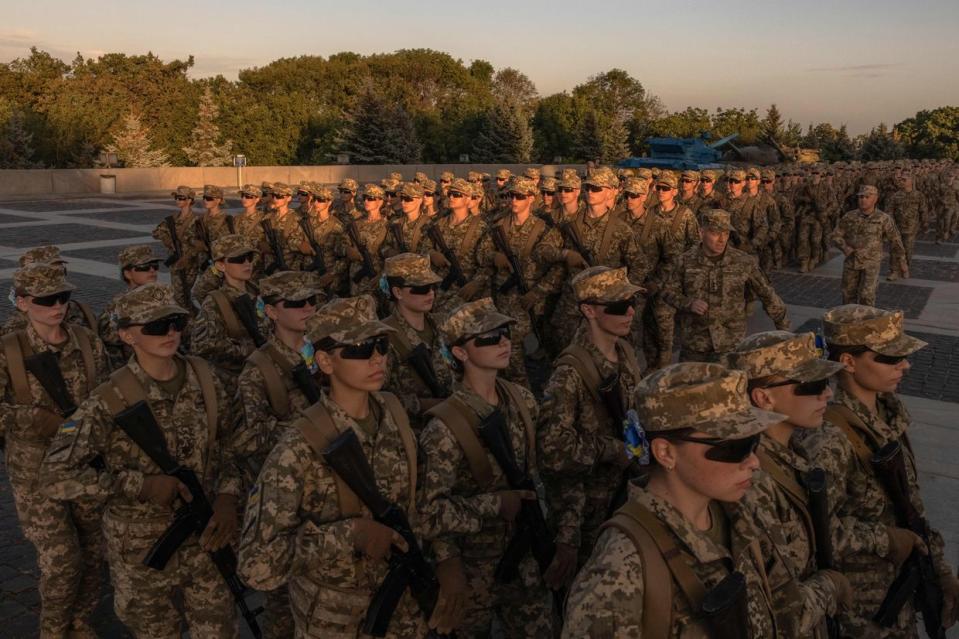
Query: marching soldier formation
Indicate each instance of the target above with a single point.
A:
(454, 408)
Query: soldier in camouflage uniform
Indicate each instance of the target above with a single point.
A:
(910, 211)
(194, 416)
(345, 205)
(138, 266)
(873, 348)
(948, 217)
(408, 230)
(302, 526)
(579, 442)
(570, 204)
(411, 285)
(219, 334)
(247, 224)
(860, 235)
(750, 227)
(329, 234)
(768, 209)
(372, 231)
(781, 242)
(467, 515)
(711, 196)
(184, 271)
(430, 199)
(812, 209)
(286, 224)
(689, 191)
(708, 284)
(687, 503)
(787, 375)
(65, 533)
(215, 222)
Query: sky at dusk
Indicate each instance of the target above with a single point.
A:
(855, 62)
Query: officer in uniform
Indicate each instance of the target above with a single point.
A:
(138, 266)
(910, 211)
(65, 533)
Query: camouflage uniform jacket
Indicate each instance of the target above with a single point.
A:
(116, 351)
(910, 210)
(802, 595)
(249, 227)
(813, 200)
(75, 316)
(774, 221)
(606, 599)
(216, 225)
(748, 217)
(294, 531)
(24, 446)
(673, 238)
(330, 237)
(211, 341)
(291, 238)
(723, 283)
(413, 234)
(865, 234)
(455, 236)
(458, 515)
(373, 234)
(694, 204)
(186, 231)
(403, 380)
(574, 435)
(644, 230)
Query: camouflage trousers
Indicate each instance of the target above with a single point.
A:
(787, 241)
(68, 539)
(909, 244)
(146, 600)
(810, 238)
(522, 608)
(859, 285)
(659, 332)
(946, 224)
(277, 618)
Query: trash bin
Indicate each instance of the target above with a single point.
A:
(108, 184)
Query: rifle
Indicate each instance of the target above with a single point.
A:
(396, 230)
(724, 608)
(305, 382)
(515, 279)
(455, 274)
(177, 253)
(279, 262)
(319, 265)
(246, 313)
(572, 236)
(46, 369)
(410, 569)
(419, 360)
(204, 237)
(366, 270)
(140, 425)
(610, 393)
(816, 484)
(918, 578)
(532, 534)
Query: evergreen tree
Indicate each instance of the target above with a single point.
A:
(131, 143)
(205, 148)
(880, 144)
(615, 141)
(378, 132)
(16, 145)
(589, 138)
(505, 135)
(772, 124)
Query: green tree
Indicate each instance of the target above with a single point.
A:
(131, 143)
(554, 130)
(505, 136)
(880, 144)
(689, 123)
(931, 134)
(511, 85)
(205, 148)
(380, 132)
(16, 144)
(772, 125)
(739, 120)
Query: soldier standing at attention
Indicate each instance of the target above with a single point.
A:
(248, 225)
(750, 227)
(430, 209)
(286, 224)
(211, 227)
(327, 230)
(407, 230)
(707, 191)
(66, 533)
(910, 211)
(371, 232)
(138, 266)
(860, 235)
(689, 191)
(345, 205)
(184, 271)
(702, 437)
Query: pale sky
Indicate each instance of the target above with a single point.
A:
(853, 62)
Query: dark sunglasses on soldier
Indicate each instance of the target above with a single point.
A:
(162, 326)
(311, 300)
(181, 198)
(279, 196)
(248, 196)
(241, 259)
(619, 307)
(406, 198)
(663, 187)
(767, 181)
(321, 200)
(364, 349)
(455, 195)
(633, 196)
(391, 194)
(427, 194)
(518, 196)
(345, 191)
(804, 389)
(422, 289)
(593, 188)
(491, 338)
(566, 189)
(549, 193)
(889, 360)
(687, 180)
(445, 181)
(50, 300)
(370, 198)
(209, 198)
(145, 268)
(726, 451)
(302, 194)
(732, 181)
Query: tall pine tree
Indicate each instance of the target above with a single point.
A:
(205, 148)
(131, 143)
(16, 144)
(772, 125)
(505, 135)
(379, 132)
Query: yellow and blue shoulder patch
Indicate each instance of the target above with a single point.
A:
(68, 427)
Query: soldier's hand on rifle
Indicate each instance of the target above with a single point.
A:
(222, 525)
(510, 501)
(699, 307)
(438, 260)
(305, 248)
(842, 586)
(950, 599)
(45, 422)
(501, 262)
(573, 259)
(448, 613)
(353, 254)
(374, 539)
(468, 291)
(848, 250)
(163, 489)
(183, 262)
(563, 567)
(901, 544)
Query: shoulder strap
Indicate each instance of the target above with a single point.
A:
(318, 430)
(630, 354)
(230, 224)
(576, 356)
(88, 316)
(204, 375)
(276, 392)
(677, 220)
(418, 227)
(611, 225)
(398, 338)
(847, 421)
(86, 353)
(512, 390)
(15, 349)
(223, 304)
(535, 233)
(472, 236)
(462, 422)
(648, 224)
(402, 421)
(795, 493)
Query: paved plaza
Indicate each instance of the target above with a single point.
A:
(91, 231)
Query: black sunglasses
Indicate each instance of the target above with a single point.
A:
(566, 189)
(726, 451)
(549, 193)
(767, 181)
(279, 196)
(592, 188)
(427, 194)
(50, 300)
(391, 194)
(321, 200)
(663, 187)
(302, 194)
(209, 198)
(265, 193)
(241, 259)
(162, 326)
(311, 300)
(422, 289)
(445, 181)
(345, 191)
(732, 181)
(633, 196)
(453, 195)
(804, 389)
(619, 307)
(364, 349)
(687, 180)
(889, 360)
(406, 198)
(518, 196)
(249, 196)
(370, 198)
(751, 178)
(492, 338)
(145, 268)
(181, 198)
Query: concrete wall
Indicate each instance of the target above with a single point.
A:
(87, 181)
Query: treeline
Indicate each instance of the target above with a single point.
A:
(409, 106)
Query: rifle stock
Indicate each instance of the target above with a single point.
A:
(816, 484)
(305, 382)
(724, 608)
(246, 313)
(318, 265)
(46, 368)
(279, 261)
(572, 236)
(366, 269)
(419, 360)
(455, 272)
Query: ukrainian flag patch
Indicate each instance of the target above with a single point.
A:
(68, 428)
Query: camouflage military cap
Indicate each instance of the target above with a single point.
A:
(447, 175)
(706, 397)
(389, 185)
(413, 269)
(429, 186)
(878, 330)
(736, 174)
(644, 173)
(419, 177)
(478, 189)
(868, 189)
(184, 191)
(636, 186)
(372, 190)
(231, 246)
(251, 189)
(303, 188)
(753, 171)
(279, 188)
(603, 284)
(767, 174)
(411, 189)
(603, 177)
(625, 173)
(570, 180)
(782, 353)
(137, 255)
(473, 318)
(459, 185)
(349, 184)
(212, 190)
(689, 174)
(521, 184)
(145, 304)
(532, 173)
(668, 178)
(717, 219)
(395, 175)
(42, 255)
(569, 173)
(503, 174)
(266, 187)
(710, 175)
(655, 171)
(346, 320)
(548, 184)
(487, 177)
(289, 285)
(474, 176)
(39, 280)
(321, 192)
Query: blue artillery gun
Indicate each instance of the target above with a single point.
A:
(680, 154)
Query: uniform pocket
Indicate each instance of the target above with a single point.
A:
(327, 612)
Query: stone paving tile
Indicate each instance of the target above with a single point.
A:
(930, 270)
(108, 254)
(824, 292)
(131, 216)
(59, 234)
(51, 206)
(11, 219)
(930, 236)
(931, 249)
